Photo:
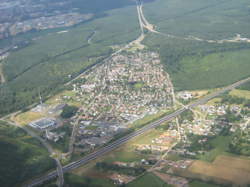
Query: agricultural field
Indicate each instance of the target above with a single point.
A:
(224, 170)
(80, 181)
(240, 93)
(74, 180)
(221, 146)
(199, 184)
(148, 180)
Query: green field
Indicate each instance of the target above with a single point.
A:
(148, 180)
(124, 154)
(77, 181)
(21, 158)
(73, 180)
(221, 146)
(201, 184)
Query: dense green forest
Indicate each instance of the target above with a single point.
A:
(21, 158)
(213, 19)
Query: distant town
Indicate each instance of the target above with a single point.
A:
(22, 16)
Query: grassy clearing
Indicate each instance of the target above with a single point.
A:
(77, 181)
(201, 184)
(220, 144)
(57, 99)
(124, 154)
(147, 137)
(225, 170)
(91, 127)
(240, 93)
(148, 180)
(237, 162)
(214, 101)
(27, 117)
(149, 118)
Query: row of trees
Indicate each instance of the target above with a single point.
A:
(134, 171)
(240, 143)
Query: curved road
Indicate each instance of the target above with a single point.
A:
(59, 172)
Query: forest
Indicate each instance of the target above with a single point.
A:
(22, 157)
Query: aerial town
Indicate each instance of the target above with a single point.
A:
(42, 23)
(126, 88)
(22, 16)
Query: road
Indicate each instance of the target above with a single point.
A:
(125, 139)
(59, 171)
(73, 137)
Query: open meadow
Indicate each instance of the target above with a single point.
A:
(223, 170)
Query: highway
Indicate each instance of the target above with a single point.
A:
(112, 146)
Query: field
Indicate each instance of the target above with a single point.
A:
(127, 152)
(240, 93)
(149, 118)
(199, 184)
(27, 117)
(224, 170)
(79, 181)
(74, 180)
(220, 144)
(56, 99)
(148, 180)
(22, 157)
